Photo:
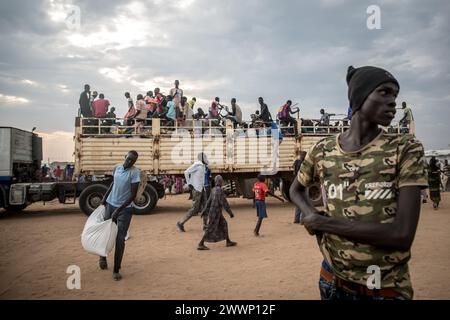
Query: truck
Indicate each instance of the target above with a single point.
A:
(20, 157)
(238, 154)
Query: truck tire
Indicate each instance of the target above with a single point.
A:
(315, 195)
(159, 189)
(2, 197)
(16, 208)
(147, 201)
(91, 197)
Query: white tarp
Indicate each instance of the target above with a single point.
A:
(99, 235)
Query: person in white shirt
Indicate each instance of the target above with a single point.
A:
(195, 178)
(176, 93)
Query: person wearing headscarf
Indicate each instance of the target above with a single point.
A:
(217, 227)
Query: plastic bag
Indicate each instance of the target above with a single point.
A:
(99, 235)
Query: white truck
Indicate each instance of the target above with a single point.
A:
(20, 157)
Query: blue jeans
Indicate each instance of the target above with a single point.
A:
(123, 223)
(298, 215)
(329, 291)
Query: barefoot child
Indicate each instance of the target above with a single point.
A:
(260, 189)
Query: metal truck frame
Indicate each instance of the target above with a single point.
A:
(238, 154)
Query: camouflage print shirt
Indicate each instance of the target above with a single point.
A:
(364, 186)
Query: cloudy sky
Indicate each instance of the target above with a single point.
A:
(280, 50)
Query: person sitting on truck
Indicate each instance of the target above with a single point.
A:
(151, 104)
(100, 106)
(111, 115)
(265, 115)
(236, 114)
(192, 102)
(171, 114)
(141, 109)
(148, 96)
(200, 114)
(161, 105)
(188, 113)
(325, 118)
(214, 109)
(118, 199)
(284, 115)
(141, 113)
(158, 96)
(372, 185)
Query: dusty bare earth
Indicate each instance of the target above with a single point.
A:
(38, 245)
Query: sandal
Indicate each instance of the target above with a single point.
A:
(202, 247)
(103, 264)
(231, 244)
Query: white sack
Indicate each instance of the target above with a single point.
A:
(99, 236)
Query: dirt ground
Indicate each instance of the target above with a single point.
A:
(37, 246)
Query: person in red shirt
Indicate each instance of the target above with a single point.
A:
(158, 96)
(57, 172)
(100, 106)
(214, 109)
(260, 189)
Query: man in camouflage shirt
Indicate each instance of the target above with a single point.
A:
(372, 182)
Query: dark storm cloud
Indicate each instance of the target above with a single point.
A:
(295, 50)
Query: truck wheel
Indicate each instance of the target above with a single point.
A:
(2, 197)
(315, 195)
(16, 208)
(147, 201)
(159, 189)
(91, 197)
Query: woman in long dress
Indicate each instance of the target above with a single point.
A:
(217, 227)
(434, 182)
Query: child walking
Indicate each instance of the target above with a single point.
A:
(260, 189)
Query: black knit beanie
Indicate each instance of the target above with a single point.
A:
(362, 81)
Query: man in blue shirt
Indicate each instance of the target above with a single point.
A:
(117, 199)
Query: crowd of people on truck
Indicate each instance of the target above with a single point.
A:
(176, 108)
